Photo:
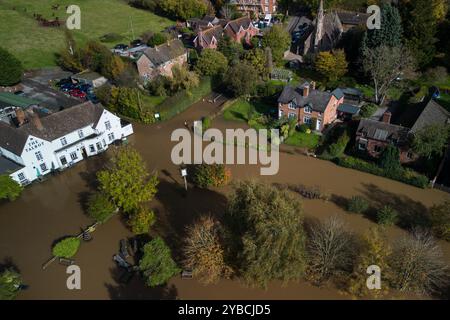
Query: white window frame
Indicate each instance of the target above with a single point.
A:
(308, 109)
(307, 120)
(63, 141)
(72, 154)
(39, 156)
(291, 105)
(81, 133)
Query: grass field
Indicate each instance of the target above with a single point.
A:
(35, 46)
(303, 140)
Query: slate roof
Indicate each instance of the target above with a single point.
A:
(236, 24)
(348, 108)
(433, 113)
(8, 166)
(318, 100)
(382, 131)
(165, 52)
(353, 18)
(54, 126)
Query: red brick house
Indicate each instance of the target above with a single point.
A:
(310, 106)
(208, 38)
(255, 6)
(161, 59)
(241, 29)
(373, 136)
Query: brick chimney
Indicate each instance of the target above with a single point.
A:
(306, 90)
(20, 115)
(36, 120)
(387, 117)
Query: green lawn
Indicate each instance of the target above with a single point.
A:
(35, 46)
(303, 140)
(241, 109)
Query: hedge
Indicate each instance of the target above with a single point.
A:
(183, 100)
(403, 175)
(66, 248)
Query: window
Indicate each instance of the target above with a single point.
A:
(292, 115)
(108, 125)
(111, 137)
(291, 105)
(362, 146)
(307, 120)
(74, 156)
(63, 160)
(91, 148)
(80, 134)
(44, 167)
(410, 155)
(63, 141)
(99, 146)
(21, 176)
(378, 149)
(308, 109)
(39, 156)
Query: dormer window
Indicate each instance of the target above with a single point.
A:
(291, 105)
(308, 109)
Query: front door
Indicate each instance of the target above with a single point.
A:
(318, 124)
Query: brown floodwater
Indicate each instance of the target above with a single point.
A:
(55, 208)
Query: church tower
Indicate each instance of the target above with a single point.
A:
(319, 27)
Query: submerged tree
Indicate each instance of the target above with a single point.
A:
(10, 284)
(9, 189)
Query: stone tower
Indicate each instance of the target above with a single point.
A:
(319, 27)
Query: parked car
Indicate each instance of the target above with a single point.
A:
(67, 87)
(64, 81)
(84, 87)
(19, 93)
(136, 43)
(121, 47)
(77, 93)
(92, 97)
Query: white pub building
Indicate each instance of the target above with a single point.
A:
(31, 146)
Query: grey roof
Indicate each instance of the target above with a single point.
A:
(54, 126)
(352, 17)
(165, 52)
(433, 113)
(352, 92)
(348, 108)
(8, 99)
(382, 131)
(317, 99)
(87, 75)
(7, 166)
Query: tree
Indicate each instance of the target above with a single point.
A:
(390, 159)
(330, 250)
(141, 220)
(241, 79)
(10, 69)
(203, 250)
(368, 110)
(157, 264)
(258, 60)
(418, 265)
(387, 216)
(126, 180)
(358, 204)
(9, 188)
(211, 175)
(266, 233)
(332, 65)
(66, 248)
(157, 39)
(430, 140)
(384, 65)
(420, 29)
(10, 284)
(390, 34)
(440, 220)
(277, 39)
(100, 208)
(69, 58)
(211, 63)
(183, 79)
(374, 250)
(230, 49)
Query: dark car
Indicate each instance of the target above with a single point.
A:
(19, 93)
(92, 97)
(64, 81)
(84, 87)
(67, 87)
(121, 47)
(136, 43)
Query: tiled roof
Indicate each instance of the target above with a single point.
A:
(433, 113)
(317, 99)
(54, 126)
(235, 25)
(207, 35)
(348, 108)
(8, 166)
(354, 18)
(165, 52)
(382, 131)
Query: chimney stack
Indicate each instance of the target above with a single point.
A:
(36, 120)
(306, 90)
(313, 85)
(20, 115)
(387, 117)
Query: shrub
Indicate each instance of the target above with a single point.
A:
(10, 69)
(211, 175)
(440, 220)
(206, 123)
(304, 128)
(358, 204)
(10, 284)
(100, 208)
(9, 189)
(337, 149)
(368, 110)
(157, 39)
(66, 248)
(141, 220)
(307, 192)
(387, 216)
(111, 37)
